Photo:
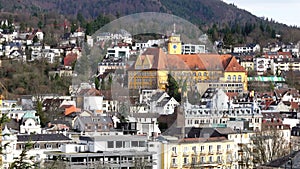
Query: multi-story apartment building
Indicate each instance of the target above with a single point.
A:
(216, 110)
(213, 152)
(279, 65)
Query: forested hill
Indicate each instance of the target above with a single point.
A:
(218, 19)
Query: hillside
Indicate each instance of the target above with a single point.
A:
(218, 19)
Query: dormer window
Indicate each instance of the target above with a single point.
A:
(36, 146)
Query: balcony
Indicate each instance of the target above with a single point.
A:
(186, 164)
(185, 154)
(229, 151)
(174, 154)
(174, 165)
(219, 152)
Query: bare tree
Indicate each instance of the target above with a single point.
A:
(269, 145)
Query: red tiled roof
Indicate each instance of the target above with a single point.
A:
(234, 66)
(294, 105)
(159, 60)
(69, 59)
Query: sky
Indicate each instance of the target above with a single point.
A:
(282, 11)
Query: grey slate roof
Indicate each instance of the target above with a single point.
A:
(42, 137)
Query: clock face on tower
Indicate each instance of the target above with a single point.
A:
(174, 46)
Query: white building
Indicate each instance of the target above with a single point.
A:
(279, 65)
(192, 49)
(112, 151)
(261, 65)
(30, 123)
(118, 52)
(162, 104)
(93, 103)
(42, 144)
(217, 110)
(252, 48)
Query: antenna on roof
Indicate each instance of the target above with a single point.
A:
(174, 31)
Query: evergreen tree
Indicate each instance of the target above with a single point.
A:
(173, 88)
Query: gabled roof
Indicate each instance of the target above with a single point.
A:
(233, 65)
(42, 137)
(69, 59)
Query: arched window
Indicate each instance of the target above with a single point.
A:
(239, 78)
(234, 78)
(229, 77)
(199, 74)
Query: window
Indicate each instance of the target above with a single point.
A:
(142, 144)
(210, 148)
(202, 148)
(202, 159)
(219, 159)
(218, 147)
(239, 78)
(199, 74)
(234, 78)
(174, 149)
(48, 146)
(194, 160)
(228, 77)
(126, 144)
(118, 144)
(174, 161)
(185, 160)
(185, 149)
(194, 148)
(210, 159)
(110, 144)
(134, 143)
(36, 146)
(205, 74)
(228, 146)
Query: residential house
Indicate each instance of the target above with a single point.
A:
(281, 65)
(161, 103)
(120, 51)
(261, 65)
(17, 55)
(42, 144)
(251, 48)
(93, 123)
(146, 123)
(277, 55)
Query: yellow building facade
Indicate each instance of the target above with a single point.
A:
(174, 44)
(151, 69)
(210, 153)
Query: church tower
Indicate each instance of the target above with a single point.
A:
(174, 44)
